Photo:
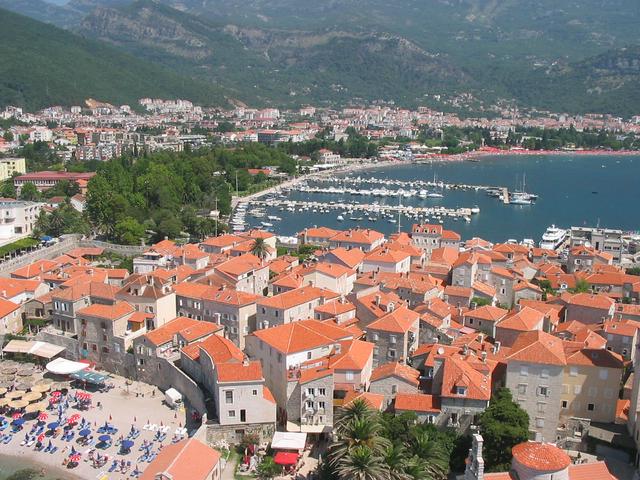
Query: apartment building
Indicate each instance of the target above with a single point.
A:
(291, 306)
(395, 335)
(535, 375)
(17, 217)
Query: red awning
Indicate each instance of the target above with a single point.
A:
(286, 458)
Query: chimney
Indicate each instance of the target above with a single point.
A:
(484, 357)
(465, 349)
(496, 347)
(475, 463)
(378, 300)
(245, 361)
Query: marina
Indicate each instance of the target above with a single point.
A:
(496, 198)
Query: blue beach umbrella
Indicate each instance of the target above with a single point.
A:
(127, 444)
(85, 432)
(18, 421)
(104, 438)
(53, 425)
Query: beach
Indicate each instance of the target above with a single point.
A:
(123, 406)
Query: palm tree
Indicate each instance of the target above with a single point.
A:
(430, 455)
(362, 464)
(395, 457)
(356, 409)
(358, 432)
(259, 248)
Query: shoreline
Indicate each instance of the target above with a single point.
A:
(22, 461)
(473, 155)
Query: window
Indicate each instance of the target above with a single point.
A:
(374, 337)
(394, 388)
(564, 404)
(321, 405)
(524, 371)
(522, 389)
(544, 373)
(542, 407)
(308, 355)
(228, 396)
(577, 389)
(539, 422)
(392, 339)
(392, 353)
(232, 413)
(105, 349)
(243, 415)
(603, 374)
(141, 362)
(573, 371)
(349, 376)
(591, 407)
(471, 321)
(309, 404)
(543, 391)
(254, 392)
(322, 391)
(461, 390)
(311, 391)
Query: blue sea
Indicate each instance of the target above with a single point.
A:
(573, 190)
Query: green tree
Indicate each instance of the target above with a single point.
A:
(362, 463)
(268, 468)
(7, 189)
(128, 231)
(260, 248)
(8, 136)
(29, 192)
(582, 286)
(503, 425)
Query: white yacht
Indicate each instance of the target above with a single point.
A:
(553, 237)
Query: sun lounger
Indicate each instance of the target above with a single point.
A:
(7, 438)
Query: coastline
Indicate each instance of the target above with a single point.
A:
(11, 463)
(473, 155)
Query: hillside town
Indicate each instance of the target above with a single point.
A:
(264, 347)
(100, 131)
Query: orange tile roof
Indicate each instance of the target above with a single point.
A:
(351, 258)
(165, 333)
(302, 335)
(459, 373)
(6, 307)
(220, 349)
(363, 236)
(354, 355)
(296, 297)
(335, 308)
(188, 459)
(400, 320)
(10, 287)
(233, 372)
(456, 291)
(107, 312)
(596, 358)
(396, 369)
(483, 288)
(417, 402)
(267, 395)
(538, 347)
(590, 300)
(525, 320)
(541, 456)
(221, 241)
(386, 255)
(237, 266)
(444, 255)
(590, 471)
(35, 269)
(374, 400)
(333, 269)
(487, 312)
(320, 232)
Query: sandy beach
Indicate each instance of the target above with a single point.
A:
(122, 406)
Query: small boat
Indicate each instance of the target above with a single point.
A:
(340, 218)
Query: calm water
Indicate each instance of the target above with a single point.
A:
(564, 185)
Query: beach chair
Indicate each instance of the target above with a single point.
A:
(53, 450)
(7, 438)
(152, 457)
(113, 466)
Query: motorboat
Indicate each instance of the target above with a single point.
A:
(553, 237)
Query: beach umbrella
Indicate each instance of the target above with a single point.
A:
(4, 401)
(75, 458)
(43, 416)
(73, 450)
(85, 432)
(53, 425)
(39, 387)
(3, 390)
(18, 404)
(74, 418)
(18, 422)
(127, 444)
(56, 394)
(41, 437)
(16, 416)
(15, 394)
(32, 396)
(36, 407)
(104, 438)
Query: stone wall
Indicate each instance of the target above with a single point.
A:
(233, 434)
(69, 343)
